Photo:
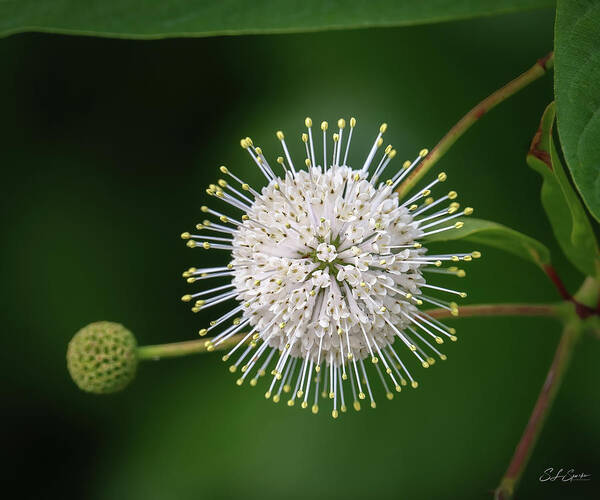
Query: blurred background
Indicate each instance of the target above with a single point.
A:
(107, 147)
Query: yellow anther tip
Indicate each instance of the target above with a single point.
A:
(315, 409)
(353, 122)
(373, 404)
(390, 396)
(442, 176)
(341, 123)
(185, 236)
(334, 414)
(308, 121)
(468, 211)
(280, 135)
(383, 128)
(414, 384)
(361, 395)
(186, 298)
(424, 152)
(452, 195)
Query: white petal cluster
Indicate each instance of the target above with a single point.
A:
(327, 270)
(315, 265)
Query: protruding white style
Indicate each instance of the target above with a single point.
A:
(327, 270)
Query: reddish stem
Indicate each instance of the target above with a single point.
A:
(582, 310)
(562, 290)
(540, 411)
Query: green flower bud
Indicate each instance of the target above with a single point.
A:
(102, 357)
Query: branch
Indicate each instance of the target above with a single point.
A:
(498, 310)
(536, 71)
(542, 406)
(177, 349)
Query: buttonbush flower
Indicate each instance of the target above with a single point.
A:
(327, 271)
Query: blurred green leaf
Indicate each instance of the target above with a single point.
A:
(577, 48)
(567, 216)
(498, 236)
(165, 18)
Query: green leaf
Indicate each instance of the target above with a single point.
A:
(577, 51)
(567, 216)
(498, 236)
(167, 18)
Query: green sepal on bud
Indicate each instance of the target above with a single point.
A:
(102, 357)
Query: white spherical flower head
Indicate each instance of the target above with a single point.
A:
(328, 270)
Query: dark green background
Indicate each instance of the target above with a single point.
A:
(106, 149)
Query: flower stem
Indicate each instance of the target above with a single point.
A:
(498, 310)
(177, 349)
(540, 411)
(511, 88)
